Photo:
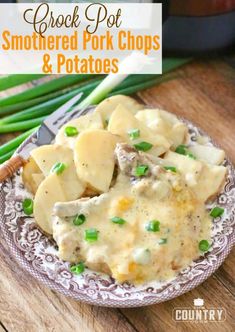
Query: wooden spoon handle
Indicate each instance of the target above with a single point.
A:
(8, 168)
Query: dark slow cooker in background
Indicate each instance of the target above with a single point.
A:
(198, 26)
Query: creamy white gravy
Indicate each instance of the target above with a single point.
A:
(129, 252)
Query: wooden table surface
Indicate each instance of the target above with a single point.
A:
(204, 93)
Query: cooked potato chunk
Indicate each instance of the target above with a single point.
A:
(49, 192)
(210, 182)
(94, 158)
(168, 117)
(48, 155)
(209, 154)
(88, 121)
(205, 180)
(178, 134)
(151, 118)
(38, 178)
(29, 170)
(164, 123)
(188, 167)
(107, 106)
(122, 122)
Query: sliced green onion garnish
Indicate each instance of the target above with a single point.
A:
(143, 146)
(134, 133)
(204, 245)
(27, 206)
(162, 241)
(71, 131)
(181, 149)
(79, 219)
(91, 235)
(106, 122)
(190, 155)
(141, 170)
(153, 226)
(58, 168)
(118, 220)
(216, 212)
(78, 268)
(171, 168)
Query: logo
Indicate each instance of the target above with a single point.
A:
(199, 313)
(198, 302)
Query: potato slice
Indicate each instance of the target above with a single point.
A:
(188, 167)
(47, 156)
(209, 154)
(107, 106)
(29, 170)
(164, 123)
(178, 134)
(94, 158)
(88, 121)
(168, 117)
(151, 119)
(38, 178)
(210, 182)
(49, 192)
(122, 121)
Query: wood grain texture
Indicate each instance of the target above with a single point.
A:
(159, 317)
(26, 305)
(204, 93)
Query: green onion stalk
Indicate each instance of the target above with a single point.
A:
(45, 88)
(132, 63)
(14, 143)
(6, 156)
(10, 81)
(123, 89)
(21, 126)
(5, 110)
(49, 106)
(136, 61)
(8, 109)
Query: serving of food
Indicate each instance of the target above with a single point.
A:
(126, 197)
